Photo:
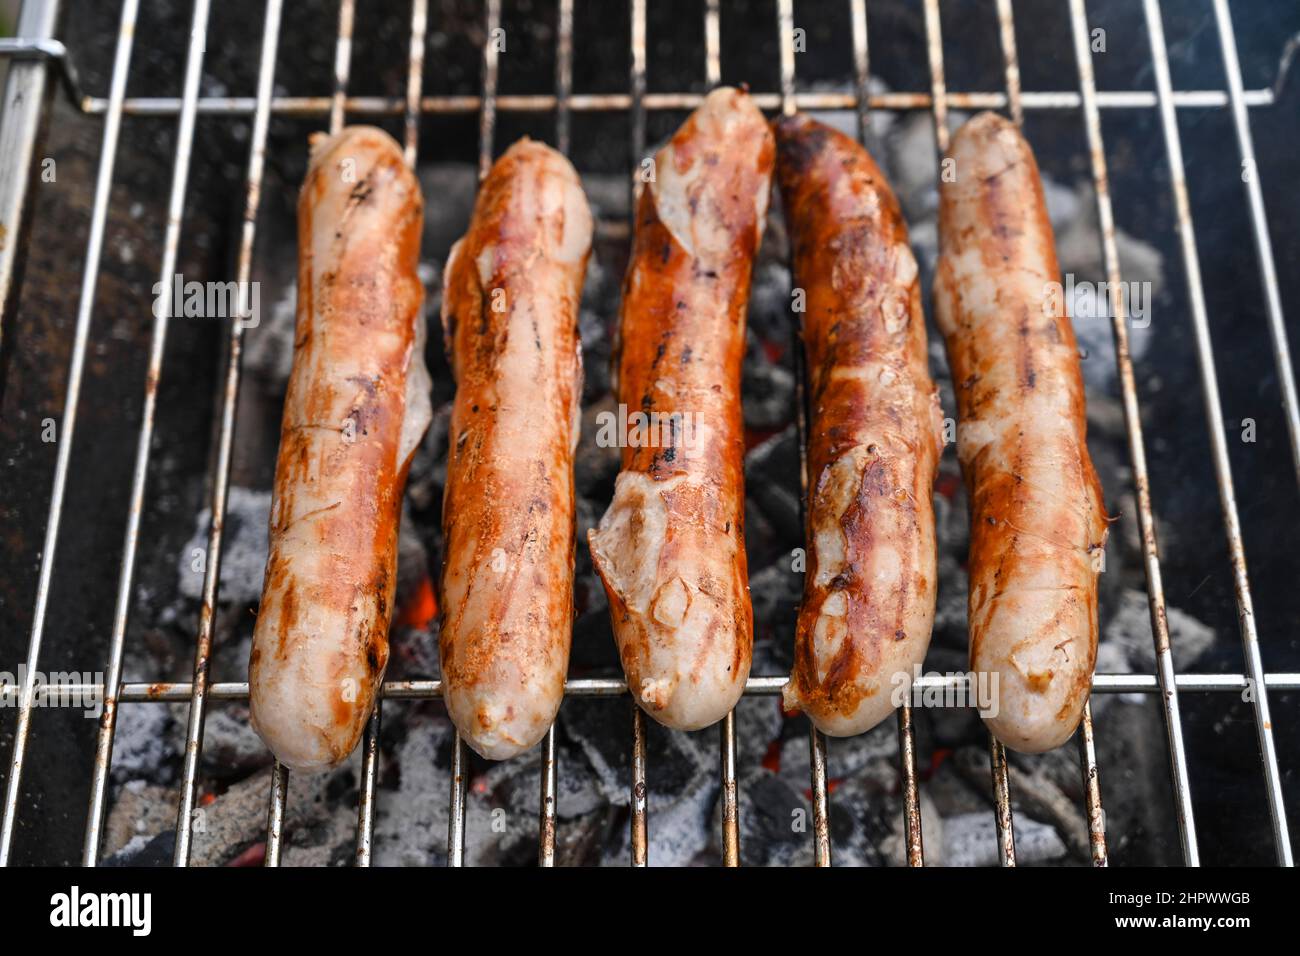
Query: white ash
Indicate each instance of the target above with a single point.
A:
(971, 839)
(243, 549)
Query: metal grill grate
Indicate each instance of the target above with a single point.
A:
(563, 102)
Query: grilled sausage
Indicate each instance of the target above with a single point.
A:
(875, 432)
(357, 405)
(671, 548)
(1038, 526)
(510, 304)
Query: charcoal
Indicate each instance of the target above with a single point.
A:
(971, 839)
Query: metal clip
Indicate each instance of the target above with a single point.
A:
(24, 48)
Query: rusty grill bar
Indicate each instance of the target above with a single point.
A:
(637, 102)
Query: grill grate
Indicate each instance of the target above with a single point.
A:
(637, 102)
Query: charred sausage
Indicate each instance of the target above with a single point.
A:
(875, 432)
(1038, 528)
(671, 548)
(510, 307)
(357, 405)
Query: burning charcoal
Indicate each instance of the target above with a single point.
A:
(679, 828)
(845, 756)
(772, 483)
(1034, 792)
(775, 592)
(594, 652)
(1127, 647)
(971, 839)
(596, 463)
(455, 185)
(415, 605)
(145, 744)
(411, 800)
(758, 724)
(158, 850)
(602, 731)
(413, 653)
(428, 472)
(768, 389)
(231, 748)
(268, 348)
(578, 842)
(952, 792)
(862, 818)
(139, 812)
(243, 549)
(776, 826)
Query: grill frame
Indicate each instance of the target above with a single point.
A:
(18, 126)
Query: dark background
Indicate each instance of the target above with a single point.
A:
(1225, 770)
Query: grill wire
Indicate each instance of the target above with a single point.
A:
(563, 102)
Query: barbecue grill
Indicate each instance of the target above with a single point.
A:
(40, 67)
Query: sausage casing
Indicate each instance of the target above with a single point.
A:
(875, 432)
(1038, 527)
(670, 549)
(357, 405)
(512, 288)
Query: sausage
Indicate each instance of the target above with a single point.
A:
(356, 408)
(874, 437)
(1038, 528)
(671, 548)
(510, 305)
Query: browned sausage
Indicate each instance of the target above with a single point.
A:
(671, 547)
(510, 310)
(1038, 526)
(357, 404)
(875, 432)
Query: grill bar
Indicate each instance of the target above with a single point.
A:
(563, 75)
(816, 740)
(639, 792)
(20, 120)
(712, 43)
(861, 65)
(638, 162)
(198, 690)
(727, 732)
(1092, 790)
(366, 798)
(173, 691)
(546, 822)
(342, 65)
(275, 813)
(563, 87)
(487, 123)
(94, 253)
(1259, 222)
(456, 816)
(1007, 34)
(1002, 802)
(305, 106)
(1169, 682)
(730, 810)
(488, 114)
(1218, 441)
